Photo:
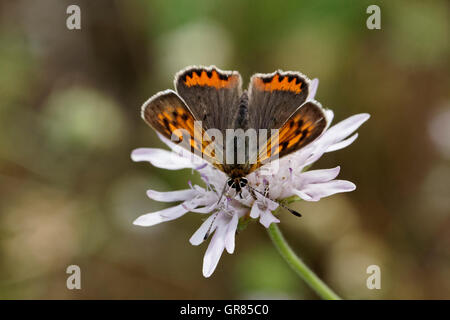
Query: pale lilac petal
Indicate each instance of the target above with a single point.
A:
(202, 204)
(214, 251)
(206, 209)
(161, 158)
(231, 232)
(302, 195)
(172, 145)
(196, 160)
(315, 154)
(329, 114)
(168, 142)
(171, 196)
(255, 212)
(286, 192)
(317, 176)
(344, 128)
(265, 215)
(267, 218)
(320, 190)
(271, 205)
(199, 236)
(313, 85)
(153, 218)
(342, 144)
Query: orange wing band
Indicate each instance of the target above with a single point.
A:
(279, 83)
(210, 79)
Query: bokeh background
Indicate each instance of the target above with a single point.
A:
(69, 118)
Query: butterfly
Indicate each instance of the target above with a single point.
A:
(215, 97)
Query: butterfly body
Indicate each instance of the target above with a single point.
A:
(276, 103)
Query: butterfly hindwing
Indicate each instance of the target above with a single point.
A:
(304, 126)
(168, 114)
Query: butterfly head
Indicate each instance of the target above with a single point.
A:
(237, 183)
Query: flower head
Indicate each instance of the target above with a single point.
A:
(291, 179)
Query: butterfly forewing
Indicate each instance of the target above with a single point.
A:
(167, 113)
(212, 95)
(274, 97)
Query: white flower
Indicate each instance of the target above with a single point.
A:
(291, 179)
(262, 207)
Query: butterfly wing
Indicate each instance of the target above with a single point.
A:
(274, 97)
(212, 95)
(277, 101)
(169, 115)
(305, 125)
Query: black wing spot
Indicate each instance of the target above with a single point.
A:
(184, 116)
(267, 80)
(222, 76)
(304, 134)
(166, 123)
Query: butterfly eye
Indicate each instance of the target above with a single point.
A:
(243, 182)
(230, 182)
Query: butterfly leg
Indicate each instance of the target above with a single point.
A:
(252, 193)
(222, 193)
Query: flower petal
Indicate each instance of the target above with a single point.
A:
(171, 196)
(342, 144)
(319, 190)
(255, 212)
(153, 218)
(318, 176)
(231, 232)
(199, 236)
(214, 251)
(196, 161)
(267, 218)
(313, 85)
(206, 209)
(302, 195)
(161, 158)
(329, 114)
(344, 128)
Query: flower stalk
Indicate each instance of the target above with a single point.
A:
(299, 266)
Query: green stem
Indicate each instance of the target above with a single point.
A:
(299, 266)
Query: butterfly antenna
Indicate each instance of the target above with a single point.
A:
(216, 214)
(295, 213)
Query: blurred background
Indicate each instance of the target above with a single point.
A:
(69, 117)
